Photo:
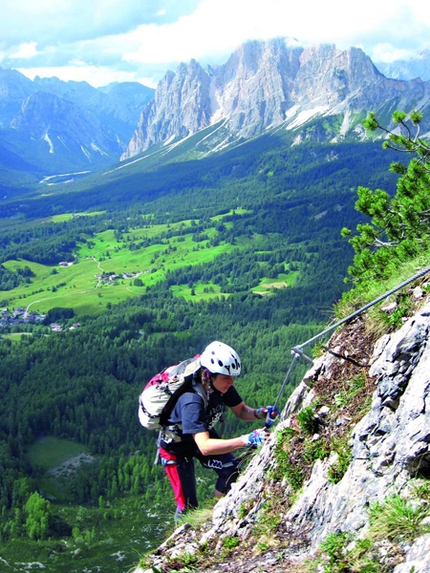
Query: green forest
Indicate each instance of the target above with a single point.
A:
(263, 214)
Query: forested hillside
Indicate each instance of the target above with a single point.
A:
(258, 215)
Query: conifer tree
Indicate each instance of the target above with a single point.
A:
(399, 225)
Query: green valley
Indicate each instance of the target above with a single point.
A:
(243, 247)
(118, 266)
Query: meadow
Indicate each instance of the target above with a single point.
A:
(110, 268)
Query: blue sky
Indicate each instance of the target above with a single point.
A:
(102, 41)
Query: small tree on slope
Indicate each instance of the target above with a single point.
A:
(399, 226)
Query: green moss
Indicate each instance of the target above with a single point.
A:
(285, 468)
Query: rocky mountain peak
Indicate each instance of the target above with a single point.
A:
(180, 107)
(328, 76)
(268, 84)
(248, 92)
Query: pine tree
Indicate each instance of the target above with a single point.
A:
(399, 226)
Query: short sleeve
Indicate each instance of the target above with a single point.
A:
(192, 415)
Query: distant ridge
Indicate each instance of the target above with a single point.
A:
(315, 94)
(319, 93)
(67, 126)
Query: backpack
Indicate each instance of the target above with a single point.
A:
(157, 399)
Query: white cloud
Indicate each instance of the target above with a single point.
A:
(387, 53)
(143, 38)
(25, 51)
(219, 26)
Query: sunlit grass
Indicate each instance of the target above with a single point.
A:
(79, 286)
(198, 292)
(283, 280)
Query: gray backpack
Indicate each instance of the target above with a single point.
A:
(159, 396)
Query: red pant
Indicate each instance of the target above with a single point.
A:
(180, 471)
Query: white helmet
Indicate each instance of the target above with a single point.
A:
(219, 358)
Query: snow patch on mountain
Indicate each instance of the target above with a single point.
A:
(305, 115)
(49, 142)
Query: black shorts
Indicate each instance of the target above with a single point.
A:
(181, 473)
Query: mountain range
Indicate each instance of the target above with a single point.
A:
(318, 94)
(58, 127)
(416, 67)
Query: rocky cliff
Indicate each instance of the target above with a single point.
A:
(343, 484)
(272, 84)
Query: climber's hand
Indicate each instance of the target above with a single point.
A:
(260, 413)
(272, 413)
(255, 438)
(268, 412)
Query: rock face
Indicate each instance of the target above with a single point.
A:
(180, 107)
(270, 84)
(390, 447)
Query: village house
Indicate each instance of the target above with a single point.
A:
(19, 316)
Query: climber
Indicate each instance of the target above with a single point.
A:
(190, 432)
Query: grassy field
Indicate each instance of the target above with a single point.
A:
(58, 458)
(49, 452)
(105, 269)
(283, 280)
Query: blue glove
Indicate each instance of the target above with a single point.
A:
(255, 438)
(268, 412)
(272, 412)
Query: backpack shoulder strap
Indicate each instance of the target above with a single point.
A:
(190, 383)
(170, 404)
(197, 386)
